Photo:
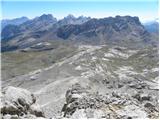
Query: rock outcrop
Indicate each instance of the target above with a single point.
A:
(17, 103)
(80, 103)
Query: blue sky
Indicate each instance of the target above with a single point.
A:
(144, 9)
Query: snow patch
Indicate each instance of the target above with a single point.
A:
(108, 55)
(94, 58)
(105, 59)
(44, 43)
(155, 69)
(78, 68)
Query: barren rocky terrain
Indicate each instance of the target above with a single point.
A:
(79, 67)
(96, 82)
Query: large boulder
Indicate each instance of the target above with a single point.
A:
(18, 102)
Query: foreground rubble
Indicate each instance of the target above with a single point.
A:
(80, 103)
(18, 103)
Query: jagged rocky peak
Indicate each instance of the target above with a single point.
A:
(110, 26)
(120, 19)
(16, 21)
(42, 22)
(47, 17)
(70, 16)
(83, 18)
(71, 19)
(80, 17)
(152, 26)
(119, 30)
(130, 19)
(23, 18)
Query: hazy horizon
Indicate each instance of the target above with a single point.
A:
(155, 19)
(145, 10)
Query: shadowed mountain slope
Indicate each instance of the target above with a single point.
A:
(119, 30)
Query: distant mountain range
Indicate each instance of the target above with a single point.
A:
(119, 30)
(152, 26)
(16, 21)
